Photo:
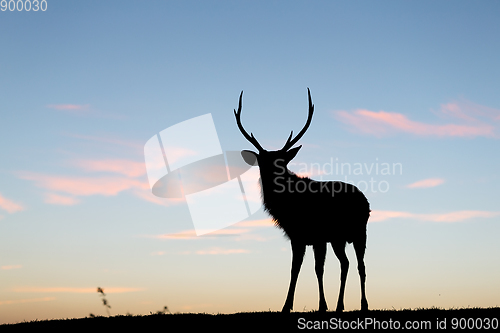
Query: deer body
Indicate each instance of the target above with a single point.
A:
(311, 213)
(297, 205)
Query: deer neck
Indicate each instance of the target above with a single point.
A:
(276, 182)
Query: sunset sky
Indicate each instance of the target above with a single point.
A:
(407, 107)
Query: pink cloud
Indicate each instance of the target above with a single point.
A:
(469, 120)
(9, 205)
(383, 123)
(118, 166)
(175, 154)
(127, 168)
(56, 199)
(77, 290)
(83, 110)
(383, 215)
(9, 267)
(138, 146)
(218, 250)
(74, 109)
(256, 223)
(469, 111)
(145, 194)
(123, 177)
(31, 300)
(187, 234)
(431, 182)
(454, 110)
(458, 216)
(68, 106)
(241, 229)
(191, 234)
(84, 186)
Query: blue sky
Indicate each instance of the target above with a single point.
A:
(84, 85)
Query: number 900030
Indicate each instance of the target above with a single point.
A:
(23, 5)
(471, 323)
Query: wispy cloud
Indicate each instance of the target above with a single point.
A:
(111, 140)
(9, 267)
(256, 223)
(56, 199)
(31, 300)
(425, 183)
(469, 111)
(84, 186)
(158, 253)
(117, 166)
(129, 168)
(82, 110)
(174, 154)
(467, 120)
(241, 231)
(9, 205)
(458, 216)
(384, 215)
(77, 290)
(68, 107)
(217, 251)
(112, 177)
(146, 195)
(186, 234)
(191, 234)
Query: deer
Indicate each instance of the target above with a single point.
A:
(310, 212)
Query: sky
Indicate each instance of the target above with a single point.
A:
(406, 108)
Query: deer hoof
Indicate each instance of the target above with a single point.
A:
(322, 307)
(364, 305)
(286, 308)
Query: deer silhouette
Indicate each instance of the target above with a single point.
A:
(310, 212)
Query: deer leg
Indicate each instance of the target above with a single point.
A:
(319, 258)
(339, 250)
(298, 251)
(359, 247)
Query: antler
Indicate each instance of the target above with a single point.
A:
(242, 130)
(289, 143)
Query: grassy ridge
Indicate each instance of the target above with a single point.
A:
(487, 319)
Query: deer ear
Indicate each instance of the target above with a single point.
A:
(292, 152)
(249, 156)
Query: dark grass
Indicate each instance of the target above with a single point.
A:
(274, 321)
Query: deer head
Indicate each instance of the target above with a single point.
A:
(272, 162)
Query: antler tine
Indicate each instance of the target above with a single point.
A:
(289, 144)
(250, 137)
